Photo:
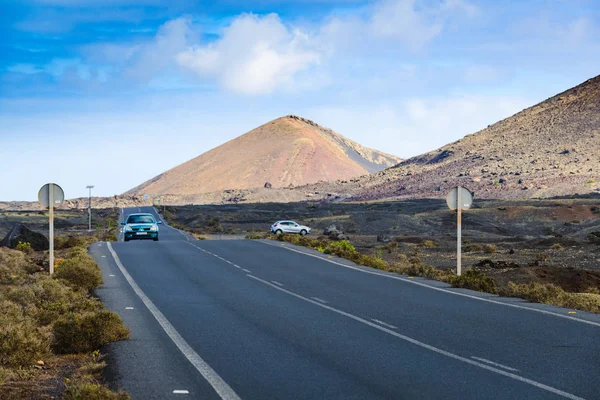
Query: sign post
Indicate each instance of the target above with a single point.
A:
(51, 195)
(459, 199)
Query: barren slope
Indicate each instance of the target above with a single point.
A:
(287, 151)
(550, 149)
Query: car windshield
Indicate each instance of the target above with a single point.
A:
(140, 219)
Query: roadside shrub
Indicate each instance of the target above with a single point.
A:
(429, 244)
(48, 299)
(22, 343)
(592, 290)
(84, 333)
(77, 252)
(91, 391)
(14, 266)
(489, 249)
(341, 248)
(373, 262)
(551, 294)
(557, 246)
(24, 247)
(66, 242)
(472, 248)
(255, 235)
(80, 272)
(392, 247)
(475, 280)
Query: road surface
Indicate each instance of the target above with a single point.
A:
(267, 320)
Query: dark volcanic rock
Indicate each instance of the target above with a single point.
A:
(335, 233)
(21, 233)
(268, 185)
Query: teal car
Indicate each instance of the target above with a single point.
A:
(140, 226)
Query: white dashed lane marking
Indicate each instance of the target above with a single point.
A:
(129, 308)
(180, 392)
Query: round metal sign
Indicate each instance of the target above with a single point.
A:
(466, 199)
(44, 195)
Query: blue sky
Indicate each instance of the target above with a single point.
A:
(114, 92)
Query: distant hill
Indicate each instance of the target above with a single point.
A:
(550, 149)
(289, 151)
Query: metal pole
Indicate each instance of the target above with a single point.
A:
(51, 233)
(90, 211)
(458, 230)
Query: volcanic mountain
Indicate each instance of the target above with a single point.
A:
(550, 149)
(288, 151)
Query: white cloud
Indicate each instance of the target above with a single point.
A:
(398, 19)
(417, 125)
(412, 23)
(255, 55)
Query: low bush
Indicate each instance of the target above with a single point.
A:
(84, 333)
(24, 247)
(475, 280)
(14, 266)
(541, 257)
(373, 262)
(80, 272)
(392, 247)
(489, 249)
(91, 391)
(557, 246)
(22, 343)
(429, 244)
(340, 248)
(255, 235)
(67, 242)
(552, 294)
(472, 248)
(46, 300)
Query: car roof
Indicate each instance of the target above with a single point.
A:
(141, 214)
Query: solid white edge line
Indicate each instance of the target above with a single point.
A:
(424, 345)
(218, 384)
(494, 363)
(384, 323)
(584, 321)
(319, 300)
(277, 283)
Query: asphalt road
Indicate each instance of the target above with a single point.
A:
(266, 320)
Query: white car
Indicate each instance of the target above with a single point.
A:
(289, 227)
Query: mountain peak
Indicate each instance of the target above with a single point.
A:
(289, 150)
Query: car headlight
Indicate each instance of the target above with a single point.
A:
(154, 228)
(128, 228)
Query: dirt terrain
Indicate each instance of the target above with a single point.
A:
(544, 241)
(287, 151)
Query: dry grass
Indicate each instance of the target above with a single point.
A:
(552, 294)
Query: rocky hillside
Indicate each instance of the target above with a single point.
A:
(288, 151)
(550, 149)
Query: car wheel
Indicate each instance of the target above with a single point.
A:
(303, 232)
(156, 239)
(278, 232)
(126, 240)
